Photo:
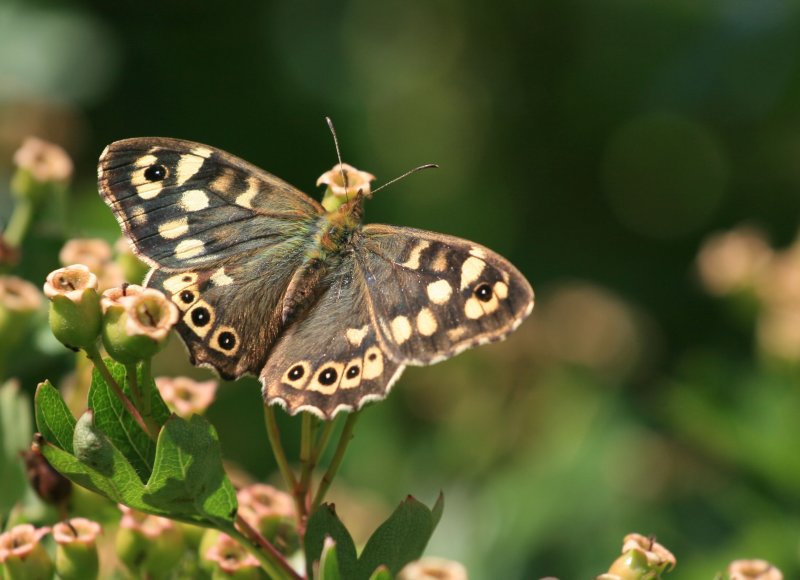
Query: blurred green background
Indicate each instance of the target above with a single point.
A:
(595, 143)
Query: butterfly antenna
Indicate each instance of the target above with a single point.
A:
(406, 174)
(338, 155)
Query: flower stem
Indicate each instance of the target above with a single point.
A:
(19, 222)
(271, 559)
(280, 457)
(341, 447)
(316, 453)
(94, 355)
(139, 399)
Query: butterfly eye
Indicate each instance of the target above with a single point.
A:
(187, 296)
(155, 173)
(328, 376)
(483, 292)
(227, 340)
(200, 316)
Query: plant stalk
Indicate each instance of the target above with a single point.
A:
(338, 456)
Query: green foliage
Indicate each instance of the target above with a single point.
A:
(15, 436)
(179, 476)
(401, 539)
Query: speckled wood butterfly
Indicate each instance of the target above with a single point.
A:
(327, 312)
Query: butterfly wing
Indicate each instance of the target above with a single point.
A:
(434, 296)
(216, 230)
(331, 358)
(401, 296)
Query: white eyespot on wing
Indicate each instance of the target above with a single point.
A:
(200, 318)
(413, 258)
(327, 379)
(439, 292)
(471, 270)
(175, 284)
(297, 375)
(246, 199)
(352, 374)
(174, 229)
(189, 249)
(373, 363)
(220, 278)
(355, 336)
(401, 329)
(426, 322)
(194, 200)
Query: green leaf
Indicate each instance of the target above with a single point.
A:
(329, 561)
(188, 478)
(117, 424)
(105, 466)
(53, 418)
(401, 538)
(382, 573)
(16, 431)
(324, 523)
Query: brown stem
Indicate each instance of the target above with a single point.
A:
(268, 555)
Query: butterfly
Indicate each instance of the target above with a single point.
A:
(326, 311)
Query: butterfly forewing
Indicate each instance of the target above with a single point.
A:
(435, 295)
(185, 205)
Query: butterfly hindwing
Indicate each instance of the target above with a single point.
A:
(331, 358)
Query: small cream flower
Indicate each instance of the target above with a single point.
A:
(18, 295)
(94, 253)
(112, 296)
(150, 314)
(230, 555)
(657, 555)
(186, 396)
(430, 568)
(148, 525)
(753, 570)
(20, 540)
(76, 530)
(733, 260)
(70, 282)
(356, 180)
(44, 160)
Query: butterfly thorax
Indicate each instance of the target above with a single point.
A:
(335, 234)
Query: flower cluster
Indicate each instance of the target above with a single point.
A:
(741, 263)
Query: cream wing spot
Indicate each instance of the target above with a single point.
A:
(426, 322)
(456, 333)
(471, 270)
(477, 252)
(413, 258)
(223, 182)
(473, 308)
(501, 290)
(355, 336)
(138, 215)
(194, 200)
(373, 363)
(220, 278)
(439, 292)
(401, 329)
(189, 249)
(174, 229)
(188, 165)
(246, 199)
